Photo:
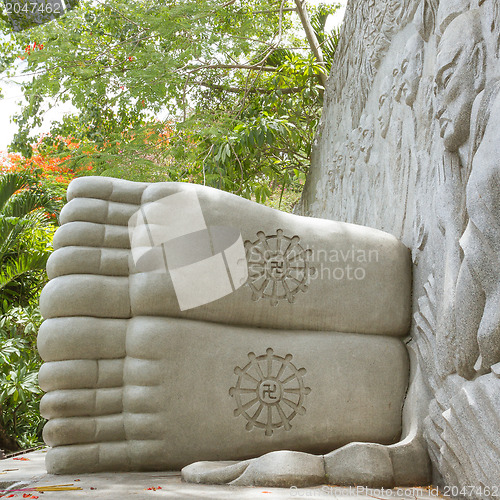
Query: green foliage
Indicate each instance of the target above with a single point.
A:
(19, 365)
(26, 230)
(235, 82)
(328, 42)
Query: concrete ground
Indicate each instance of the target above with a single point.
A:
(24, 476)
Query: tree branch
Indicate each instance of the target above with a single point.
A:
(234, 66)
(227, 4)
(311, 37)
(288, 9)
(239, 90)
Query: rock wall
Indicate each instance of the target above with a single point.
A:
(409, 143)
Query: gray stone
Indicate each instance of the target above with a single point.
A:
(305, 355)
(341, 381)
(435, 155)
(30, 477)
(349, 268)
(360, 463)
(281, 469)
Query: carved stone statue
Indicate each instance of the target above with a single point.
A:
(478, 295)
(411, 68)
(185, 324)
(432, 68)
(460, 77)
(385, 106)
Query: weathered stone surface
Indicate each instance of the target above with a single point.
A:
(178, 386)
(358, 279)
(31, 474)
(409, 143)
(360, 463)
(136, 383)
(281, 469)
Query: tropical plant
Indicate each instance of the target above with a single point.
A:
(27, 214)
(20, 421)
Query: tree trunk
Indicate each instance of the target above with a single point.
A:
(7, 443)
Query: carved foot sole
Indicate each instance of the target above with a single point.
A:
(369, 464)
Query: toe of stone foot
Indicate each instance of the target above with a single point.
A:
(364, 464)
(276, 469)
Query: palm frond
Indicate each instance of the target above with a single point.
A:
(9, 184)
(25, 202)
(13, 270)
(328, 41)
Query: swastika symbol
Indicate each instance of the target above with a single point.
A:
(268, 391)
(277, 266)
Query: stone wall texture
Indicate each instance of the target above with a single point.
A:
(409, 143)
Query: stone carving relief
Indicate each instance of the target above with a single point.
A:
(269, 387)
(420, 233)
(278, 267)
(460, 77)
(385, 106)
(360, 58)
(411, 69)
(448, 11)
(478, 295)
(494, 18)
(432, 179)
(366, 134)
(426, 18)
